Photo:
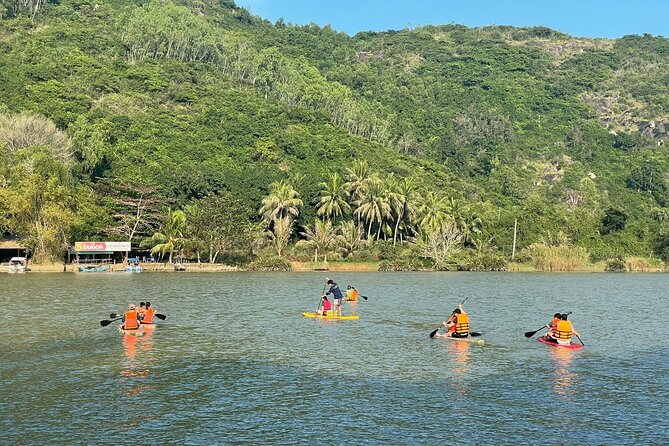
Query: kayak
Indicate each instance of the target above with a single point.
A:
(350, 317)
(131, 332)
(470, 340)
(555, 344)
(148, 326)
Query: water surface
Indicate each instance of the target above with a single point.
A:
(236, 363)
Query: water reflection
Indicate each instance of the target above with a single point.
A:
(563, 378)
(458, 353)
(136, 361)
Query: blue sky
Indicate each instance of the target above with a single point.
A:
(583, 18)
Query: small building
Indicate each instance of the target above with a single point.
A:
(99, 252)
(11, 247)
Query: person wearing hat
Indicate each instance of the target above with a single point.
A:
(130, 319)
(336, 294)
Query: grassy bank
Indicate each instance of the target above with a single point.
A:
(630, 266)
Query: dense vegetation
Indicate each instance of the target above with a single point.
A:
(197, 128)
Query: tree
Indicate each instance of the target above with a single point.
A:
(279, 209)
(171, 237)
(280, 235)
(373, 206)
(134, 208)
(322, 238)
(439, 242)
(403, 197)
(356, 178)
(334, 198)
(349, 238)
(281, 202)
(220, 223)
(40, 199)
(432, 211)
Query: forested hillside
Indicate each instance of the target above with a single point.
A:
(195, 127)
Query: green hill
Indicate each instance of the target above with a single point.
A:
(191, 99)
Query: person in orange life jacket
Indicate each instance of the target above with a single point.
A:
(147, 316)
(563, 331)
(141, 309)
(552, 327)
(458, 324)
(351, 294)
(130, 319)
(336, 294)
(324, 307)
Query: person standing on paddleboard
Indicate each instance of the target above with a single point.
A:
(458, 324)
(336, 294)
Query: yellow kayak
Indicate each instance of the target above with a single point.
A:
(350, 317)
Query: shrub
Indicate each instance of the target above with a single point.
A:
(270, 263)
(557, 258)
(616, 264)
(637, 264)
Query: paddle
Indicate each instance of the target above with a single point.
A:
(579, 339)
(529, 334)
(462, 303)
(162, 317)
(107, 322)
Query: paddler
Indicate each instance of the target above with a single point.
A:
(351, 294)
(147, 316)
(141, 310)
(552, 327)
(563, 331)
(336, 294)
(457, 324)
(130, 319)
(325, 306)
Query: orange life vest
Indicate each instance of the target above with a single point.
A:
(563, 330)
(131, 321)
(461, 323)
(354, 295)
(147, 316)
(554, 325)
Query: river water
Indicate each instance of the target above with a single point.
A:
(236, 363)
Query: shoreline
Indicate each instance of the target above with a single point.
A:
(350, 267)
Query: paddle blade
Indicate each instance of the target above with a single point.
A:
(113, 315)
(434, 333)
(364, 297)
(161, 316)
(105, 323)
(474, 334)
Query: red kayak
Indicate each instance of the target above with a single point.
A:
(555, 344)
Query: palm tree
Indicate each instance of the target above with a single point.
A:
(350, 237)
(402, 197)
(433, 210)
(373, 204)
(280, 235)
(356, 177)
(278, 210)
(322, 238)
(171, 236)
(281, 202)
(333, 202)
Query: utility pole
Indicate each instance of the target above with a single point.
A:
(515, 230)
